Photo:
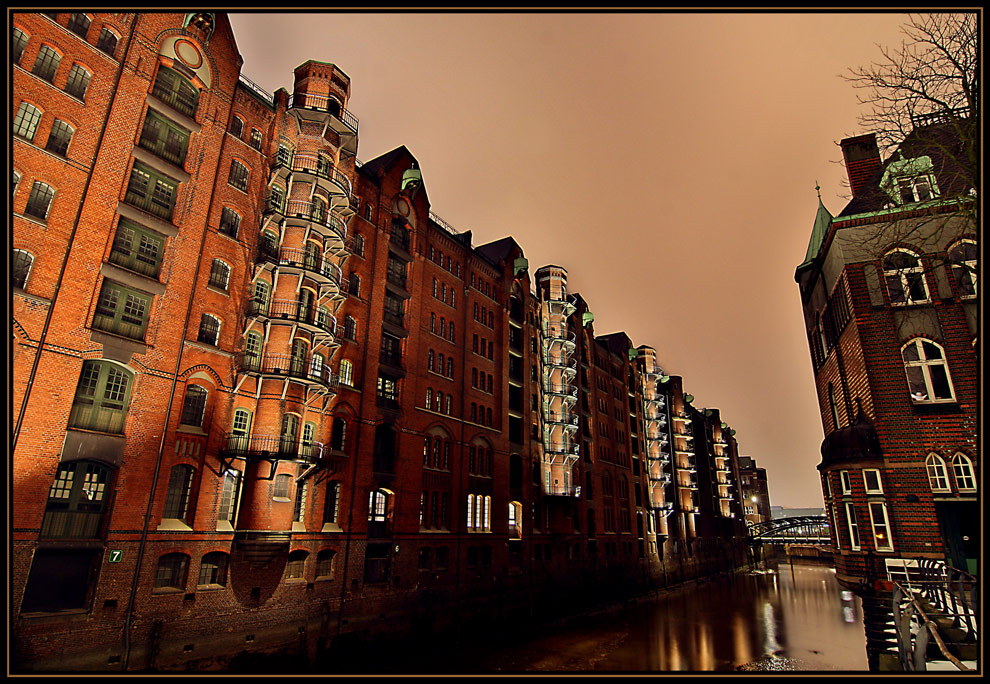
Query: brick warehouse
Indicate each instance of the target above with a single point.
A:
(263, 398)
(889, 291)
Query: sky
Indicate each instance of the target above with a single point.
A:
(667, 160)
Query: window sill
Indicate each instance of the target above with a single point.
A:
(331, 527)
(173, 525)
(167, 591)
(192, 430)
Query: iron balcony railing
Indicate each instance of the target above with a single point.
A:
(317, 213)
(325, 103)
(300, 258)
(562, 449)
(170, 149)
(258, 90)
(561, 490)
(273, 446)
(288, 366)
(562, 418)
(293, 310)
(180, 99)
(316, 165)
(564, 390)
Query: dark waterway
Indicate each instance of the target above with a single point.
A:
(782, 617)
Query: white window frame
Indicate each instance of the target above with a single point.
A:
(902, 278)
(938, 475)
(885, 524)
(846, 482)
(962, 472)
(926, 364)
(855, 543)
(866, 481)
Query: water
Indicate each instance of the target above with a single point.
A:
(784, 617)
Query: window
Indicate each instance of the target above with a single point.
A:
(46, 64)
(844, 479)
(853, 527)
(76, 502)
(905, 277)
(177, 92)
(209, 330)
(230, 222)
(151, 191)
(18, 42)
(358, 245)
(282, 485)
(21, 268)
(325, 564)
(107, 42)
(193, 406)
(26, 121)
(295, 567)
(164, 139)
(238, 176)
(871, 480)
(963, 256)
(171, 572)
(237, 129)
(59, 138)
(177, 495)
(122, 311)
(213, 569)
(368, 211)
(255, 140)
(347, 373)
(331, 503)
(40, 200)
(927, 373)
(230, 487)
(287, 438)
(100, 401)
(354, 285)
(962, 469)
(350, 328)
(79, 24)
(938, 477)
(78, 82)
(915, 189)
(299, 505)
(219, 275)
(881, 526)
(338, 434)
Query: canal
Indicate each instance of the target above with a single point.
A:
(784, 616)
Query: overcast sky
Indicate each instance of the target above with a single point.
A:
(668, 161)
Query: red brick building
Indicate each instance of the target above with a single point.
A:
(889, 289)
(263, 396)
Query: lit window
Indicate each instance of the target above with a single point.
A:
(346, 373)
(927, 372)
(881, 526)
(963, 256)
(962, 468)
(255, 140)
(938, 478)
(905, 278)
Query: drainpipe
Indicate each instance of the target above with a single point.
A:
(168, 411)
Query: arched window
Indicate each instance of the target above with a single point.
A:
(219, 275)
(447, 406)
(354, 285)
(358, 245)
(26, 121)
(963, 256)
(283, 487)
(78, 82)
(21, 268)
(209, 329)
(338, 434)
(230, 488)
(255, 139)
(429, 397)
(236, 126)
(174, 90)
(325, 564)
(927, 372)
(178, 493)
(470, 511)
(172, 571)
(938, 478)
(19, 41)
(193, 406)
(213, 569)
(962, 469)
(905, 277)
(79, 24)
(295, 566)
(100, 403)
(230, 222)
(331, 503)
(379, 512)
(289, 434)
(252, 351)
(238, 176)
(40, 200)
(59, 138)
(299, 506)
(429, 360)
(350, 328)
(46, 63)
(107, 42)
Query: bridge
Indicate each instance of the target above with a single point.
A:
(805, 529)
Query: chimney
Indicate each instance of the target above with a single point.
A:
(862, 157)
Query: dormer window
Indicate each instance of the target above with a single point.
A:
(910, 180)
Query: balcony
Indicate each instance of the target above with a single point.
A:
(267, 447)
(562, 418)
(289, 367)
(308, 104)
(561, 390)
(329, 177)
(326, 223)
(312, 264)
(293, 311)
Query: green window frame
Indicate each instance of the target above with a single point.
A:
(164, 139)
(137, 249)
(122, 311)
(151, 191)
(101, 399)
(76, 501)
(176, 91)
(229, 492)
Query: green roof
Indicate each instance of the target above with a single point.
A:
(823, 221)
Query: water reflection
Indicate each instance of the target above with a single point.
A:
(788, 617)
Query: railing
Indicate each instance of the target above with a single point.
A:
(325, 103)
(71, 524)
(273, 446)
(443, 224)
(150, 202)
(317, 165)
(258, 90)
(946, 116)
(564, 418)
(561, 490)
(285, 365)
(566, 390)
(299, 258)
(293, 310)
(954, 593)
(315, 212)
(180, 100)
(167, 149)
